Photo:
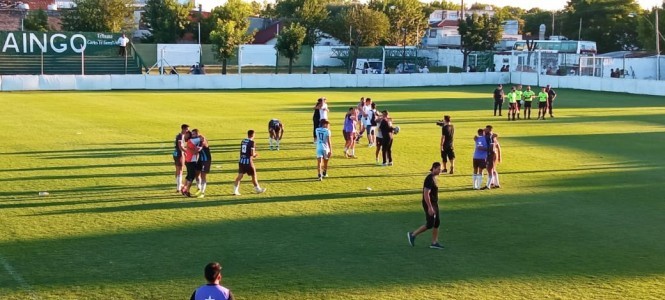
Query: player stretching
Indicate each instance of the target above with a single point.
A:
(323, 149)
(246, 164)
(178, 158)
(276, 130)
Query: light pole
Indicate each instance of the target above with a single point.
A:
(658, 37)
(404, 52)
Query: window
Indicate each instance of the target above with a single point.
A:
(432, 33)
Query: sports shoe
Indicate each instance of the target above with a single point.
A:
(436, 246)
(236, 193)
(451, 170)
(259, 190)
(412, 238)
(325, 173)
(271, 148)
(201, 195)
(186, 194)
(390, 163)
(484, 188)
(444, 171)
(320, 177)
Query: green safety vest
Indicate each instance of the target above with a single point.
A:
(528, 95)
(512, 97)
(542, 97)
(519, 94)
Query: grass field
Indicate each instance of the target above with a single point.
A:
(580, 215)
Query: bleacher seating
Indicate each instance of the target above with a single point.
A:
(71, 65)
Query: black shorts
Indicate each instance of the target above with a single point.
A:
(191, 170)
(479, 163)
(274, 131)
(348, 135)
(527, 104)
(542, 104)
(246, 169)
(447, 153)
(203, 166)
(378, 142)
(178, 159)
(432, 221)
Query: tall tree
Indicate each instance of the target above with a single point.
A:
(429, 8)
(311, 14)
(99, 16)
(36, 20)
(606, 22)
(167, 20)
(646, 31)
(405, 17)
(535, 16)
(230, 29)
(479, 33)
(290, 42)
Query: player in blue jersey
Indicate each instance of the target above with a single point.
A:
(212, 289)
(178, 157)
(276, 131)
(323, 148)
(246, 164)
(479, 158)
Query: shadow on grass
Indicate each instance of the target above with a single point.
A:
(490, 237)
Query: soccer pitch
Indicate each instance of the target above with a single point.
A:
(580, 215)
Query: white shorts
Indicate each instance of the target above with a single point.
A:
(322, 152)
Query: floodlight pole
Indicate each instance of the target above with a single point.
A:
(657, 47)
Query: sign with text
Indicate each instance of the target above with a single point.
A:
(33, 43)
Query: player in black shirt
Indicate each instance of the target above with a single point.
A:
(447, 149)
(498, 99)
(178, 156)
(551, 94)
(387, 129)
(430, 203)
(246, 164)
(276, 131)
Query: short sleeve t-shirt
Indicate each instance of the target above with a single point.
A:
(542, 97)
(528, 95)
(480, 151)
(550, 94)
(323, 112)
(448, 132)
(246, 147)
(322, 135)
(498, 95)
(432, 185)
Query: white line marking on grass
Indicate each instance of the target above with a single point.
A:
(17, 277)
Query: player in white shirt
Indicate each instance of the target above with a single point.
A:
(368, 117)
(323, 110)
(323, 148)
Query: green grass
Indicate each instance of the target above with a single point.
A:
(579, 215)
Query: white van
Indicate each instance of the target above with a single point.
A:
(369, 66)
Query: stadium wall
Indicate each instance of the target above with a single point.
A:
(244, 81)
(284, 81)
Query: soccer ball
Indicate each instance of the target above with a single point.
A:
(396, 130)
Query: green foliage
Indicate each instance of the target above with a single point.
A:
(534, 17)
(479, 33)
(290, 42)
(167, 20)
(99, 16)
(36, 20)
(579, 214)
(230, 29)
(311, 14)
(606, 22)
(646, 31)
(404, 16)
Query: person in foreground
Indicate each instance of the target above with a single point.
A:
(212, 290)
(431, 206)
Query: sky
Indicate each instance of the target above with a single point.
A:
(527, 4)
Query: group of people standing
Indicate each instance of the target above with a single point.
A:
(192, 152)
(517, 98)
(362, 119)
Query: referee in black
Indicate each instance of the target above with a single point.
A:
(431, 206)
(498, 99)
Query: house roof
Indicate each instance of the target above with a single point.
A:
(267, 34)
(38, 4)
(444, 23)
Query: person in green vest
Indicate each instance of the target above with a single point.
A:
(518, 93)
(528, 96)
(542, 104)
(512, 103)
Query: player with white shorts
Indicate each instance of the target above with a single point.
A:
(323, 148)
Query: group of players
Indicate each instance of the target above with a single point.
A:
(518, 99)
(193, 152)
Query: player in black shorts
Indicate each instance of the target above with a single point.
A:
(276, 130)
(246, 164)
(178, 157)
(447, 149)
(431, 206)
(203, 166)
(498, 99)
